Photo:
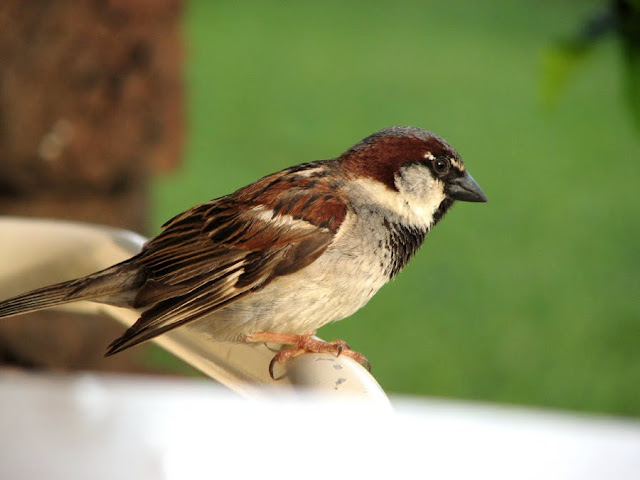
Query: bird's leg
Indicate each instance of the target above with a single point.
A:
(302, 344)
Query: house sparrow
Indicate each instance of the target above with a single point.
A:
(285, 255)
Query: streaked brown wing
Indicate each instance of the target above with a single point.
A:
(218, 252)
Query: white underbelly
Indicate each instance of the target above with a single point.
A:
(333, 287)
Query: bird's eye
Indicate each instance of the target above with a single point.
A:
(441, 166)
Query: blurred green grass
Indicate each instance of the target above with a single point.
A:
(533, 298)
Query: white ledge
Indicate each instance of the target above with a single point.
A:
(35, 252)
(103, 427)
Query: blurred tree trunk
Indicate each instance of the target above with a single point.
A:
(90, 107)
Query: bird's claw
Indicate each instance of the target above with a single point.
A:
(311, 345)
(304, 343)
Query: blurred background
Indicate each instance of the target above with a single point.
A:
(127, 113)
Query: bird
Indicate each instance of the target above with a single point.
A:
(279, 258)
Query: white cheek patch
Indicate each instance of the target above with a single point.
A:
(418, 196)
(421, 191)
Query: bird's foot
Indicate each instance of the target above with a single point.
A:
(305, 343)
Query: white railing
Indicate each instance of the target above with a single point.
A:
(102, 427)
(34, 253)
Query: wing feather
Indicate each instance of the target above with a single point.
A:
(217, 252)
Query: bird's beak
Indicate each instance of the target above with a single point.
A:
(466, 189)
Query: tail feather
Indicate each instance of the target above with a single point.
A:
(39, 299)
(108, 285)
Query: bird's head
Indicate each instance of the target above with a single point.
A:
(412, 169)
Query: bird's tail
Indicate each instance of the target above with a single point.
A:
(108, 286)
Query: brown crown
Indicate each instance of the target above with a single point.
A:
(381, 155)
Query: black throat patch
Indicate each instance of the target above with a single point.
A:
(403, 242)
(444, 207)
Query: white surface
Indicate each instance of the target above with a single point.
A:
(34, 253)
(88, 427)
(93, 427)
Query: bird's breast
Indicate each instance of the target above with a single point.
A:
(366, 253)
